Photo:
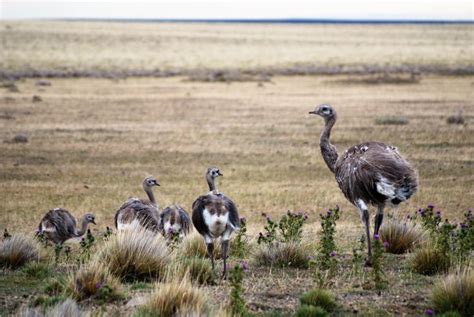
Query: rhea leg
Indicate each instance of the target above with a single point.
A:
(364, 215)
(225, 250)
(378, 218)
(210, 249)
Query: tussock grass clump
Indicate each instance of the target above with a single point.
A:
(94, 281)
(176, 298)
(135, 254)
(37, 269)
(391, 120)
(291, 254)
(18, 250)
(199, 270)
(399, 236)
(319, 297)
(428, 261)
(310, 311)
(455, 293)
(193, 245)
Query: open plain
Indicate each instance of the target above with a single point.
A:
(92, 140)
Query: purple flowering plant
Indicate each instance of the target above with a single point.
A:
(327, 246)
(240, 243)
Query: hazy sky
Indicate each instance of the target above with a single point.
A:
(228, 9)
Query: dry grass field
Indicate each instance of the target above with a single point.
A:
(91, 141)
(94, 48)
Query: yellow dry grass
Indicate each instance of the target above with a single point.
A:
(98, 46)
(93, 140)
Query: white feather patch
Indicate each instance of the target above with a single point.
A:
(216, 224)
(385, 188)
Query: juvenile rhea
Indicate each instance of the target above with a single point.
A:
(58, 225)
(174, 220)
(215, 215)
(371, 173)
(136, 212)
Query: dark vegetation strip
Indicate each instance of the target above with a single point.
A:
(228, 75)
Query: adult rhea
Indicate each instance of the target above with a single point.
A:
(370, 173)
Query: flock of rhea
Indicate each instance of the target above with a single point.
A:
(370, 173)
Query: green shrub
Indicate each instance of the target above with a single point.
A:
(319, 297)
(310, 311)
(455, 293)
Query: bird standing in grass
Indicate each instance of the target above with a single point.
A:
(58, 225)
(371, 173)
(140, 212)
(215, 215)
(174, 220)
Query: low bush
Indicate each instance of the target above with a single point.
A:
(18, 250)
(455, 293)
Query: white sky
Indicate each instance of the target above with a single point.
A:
(244, 9)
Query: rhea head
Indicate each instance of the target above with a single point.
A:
(213, 172)
(149, 182)
(325, 111)
(90, 218)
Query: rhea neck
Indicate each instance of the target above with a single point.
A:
(211, 182)
(151, 197)
(84, 224)
(328, 150)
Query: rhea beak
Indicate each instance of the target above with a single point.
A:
(93, 221)
(312, 112)
(220, 174)
(157, 184)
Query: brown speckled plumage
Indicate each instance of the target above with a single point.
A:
(58, 225)
(371, 173)
(140, 211)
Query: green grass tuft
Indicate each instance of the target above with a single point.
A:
(310, 311)
(319, 297)
(455, 293)
(428, 261)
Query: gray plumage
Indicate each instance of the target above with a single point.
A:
(140, 212)
(371, 173)
(58, 225)
(215, 215)
(174, 219)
